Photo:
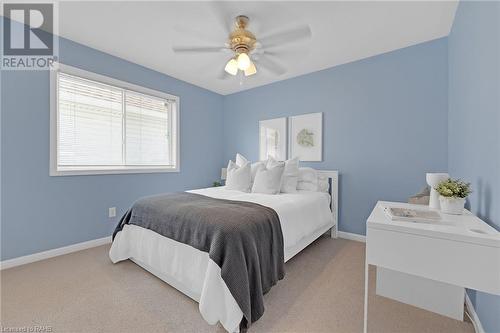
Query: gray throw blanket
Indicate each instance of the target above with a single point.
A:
(244, 239)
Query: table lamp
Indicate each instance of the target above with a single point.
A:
(433, 179)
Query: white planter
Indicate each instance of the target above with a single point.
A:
(453, 206)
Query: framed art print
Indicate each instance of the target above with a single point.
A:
(306, 137)
(273, 139)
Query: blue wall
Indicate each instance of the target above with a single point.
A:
(474, 121)
(41, 212)
(384, 119)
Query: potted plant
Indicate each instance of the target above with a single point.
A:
(452, 194)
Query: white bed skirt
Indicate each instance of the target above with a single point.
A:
(189, 270)
(183, 267)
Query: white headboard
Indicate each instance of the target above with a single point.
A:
(333, 177)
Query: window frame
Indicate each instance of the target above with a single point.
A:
(56, 170)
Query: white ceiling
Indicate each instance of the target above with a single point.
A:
(342, 31)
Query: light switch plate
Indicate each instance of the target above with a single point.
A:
(112, 212)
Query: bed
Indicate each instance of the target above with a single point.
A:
(303, 216)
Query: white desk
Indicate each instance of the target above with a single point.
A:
(460, 251)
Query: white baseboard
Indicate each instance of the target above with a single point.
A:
(351, 236)
(475, 318)
(53, 253)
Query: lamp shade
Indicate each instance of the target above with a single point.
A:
(243, 61)
(433, 179)
(223, 173)
(251, 70)
(232, 67)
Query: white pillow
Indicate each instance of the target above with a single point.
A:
(323, 184)
(308, 175)
(290, 175)
(241, 160)
(272, 162)
(268, 181)
(308, 179)
(255, 167)
(307, 186)
(238, 178)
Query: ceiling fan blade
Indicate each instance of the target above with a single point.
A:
(266, 62)
(197, 49)
(201, 35)
(259, 52)
(223, 15)
(289, 36)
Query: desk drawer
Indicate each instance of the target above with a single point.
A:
(460, 263)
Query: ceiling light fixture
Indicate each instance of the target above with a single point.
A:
(243, 61)
(232, 67)
(251, 70)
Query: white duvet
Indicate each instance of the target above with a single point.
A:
(302, 215)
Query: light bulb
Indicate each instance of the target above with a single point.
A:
(232, 67)
(251, 70)
(243, 61)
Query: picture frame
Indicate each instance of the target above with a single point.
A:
(306, 137)
(273, 139)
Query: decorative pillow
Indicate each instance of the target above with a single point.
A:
(323, 183)
(255, 167)
(238, 178)
(268, 181)
(307, 186)
(308, 175)
(241, 160)
(290, 176)
(308, 179)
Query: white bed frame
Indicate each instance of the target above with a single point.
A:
(333, 180)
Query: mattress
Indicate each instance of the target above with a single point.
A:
(304, 216)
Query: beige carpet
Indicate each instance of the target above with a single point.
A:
(85, 292)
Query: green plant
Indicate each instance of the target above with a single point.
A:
(453, 188)
(217, 184)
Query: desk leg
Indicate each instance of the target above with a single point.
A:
(365, 316)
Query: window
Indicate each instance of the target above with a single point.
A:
(101, 125)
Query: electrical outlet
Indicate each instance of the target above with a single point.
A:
(112, 212)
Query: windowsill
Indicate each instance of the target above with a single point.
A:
(86, 171)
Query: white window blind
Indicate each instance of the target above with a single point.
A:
(147, 130)
(90, 123)
(106, 127)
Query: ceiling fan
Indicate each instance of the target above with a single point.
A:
(247, 50)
